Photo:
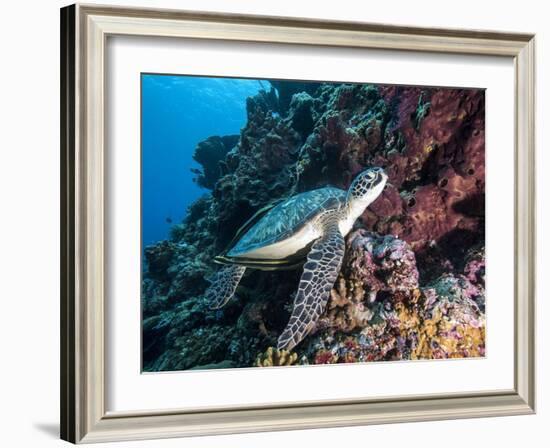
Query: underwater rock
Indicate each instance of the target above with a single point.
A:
(412, 284)
(211, 153)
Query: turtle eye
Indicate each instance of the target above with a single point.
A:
(376, 181)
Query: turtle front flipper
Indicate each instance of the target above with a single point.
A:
(320, 272)
(223, 285)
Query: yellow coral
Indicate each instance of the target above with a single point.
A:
(345, 308)
(273, 357)
(438, 337)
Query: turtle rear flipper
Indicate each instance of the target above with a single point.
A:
(320, 272)
(223, 285)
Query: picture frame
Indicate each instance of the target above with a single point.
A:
(85, 417)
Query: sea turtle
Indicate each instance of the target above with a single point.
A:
(311, 226)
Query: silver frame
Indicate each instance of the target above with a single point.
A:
(84, 30)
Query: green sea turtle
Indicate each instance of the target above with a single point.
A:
(311, 226)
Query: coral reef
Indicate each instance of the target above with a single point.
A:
(441, 320)
(274, 357)
(412, 284)
(211, 154)
(286, 91)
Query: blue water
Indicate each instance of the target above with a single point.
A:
(177, 113)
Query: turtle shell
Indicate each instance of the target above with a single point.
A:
(280, 221)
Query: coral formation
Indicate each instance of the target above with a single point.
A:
(412, 284)
(274, 357)
(211, 154)
(441, 320)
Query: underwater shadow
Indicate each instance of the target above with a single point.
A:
(473, 205)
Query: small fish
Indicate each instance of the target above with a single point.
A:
(169, 220)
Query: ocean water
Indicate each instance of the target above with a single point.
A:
(178, 112)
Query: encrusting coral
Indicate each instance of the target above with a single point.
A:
(412, 284)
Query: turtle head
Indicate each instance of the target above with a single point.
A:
(365, 188)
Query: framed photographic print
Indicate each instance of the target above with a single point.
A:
(336, 219)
